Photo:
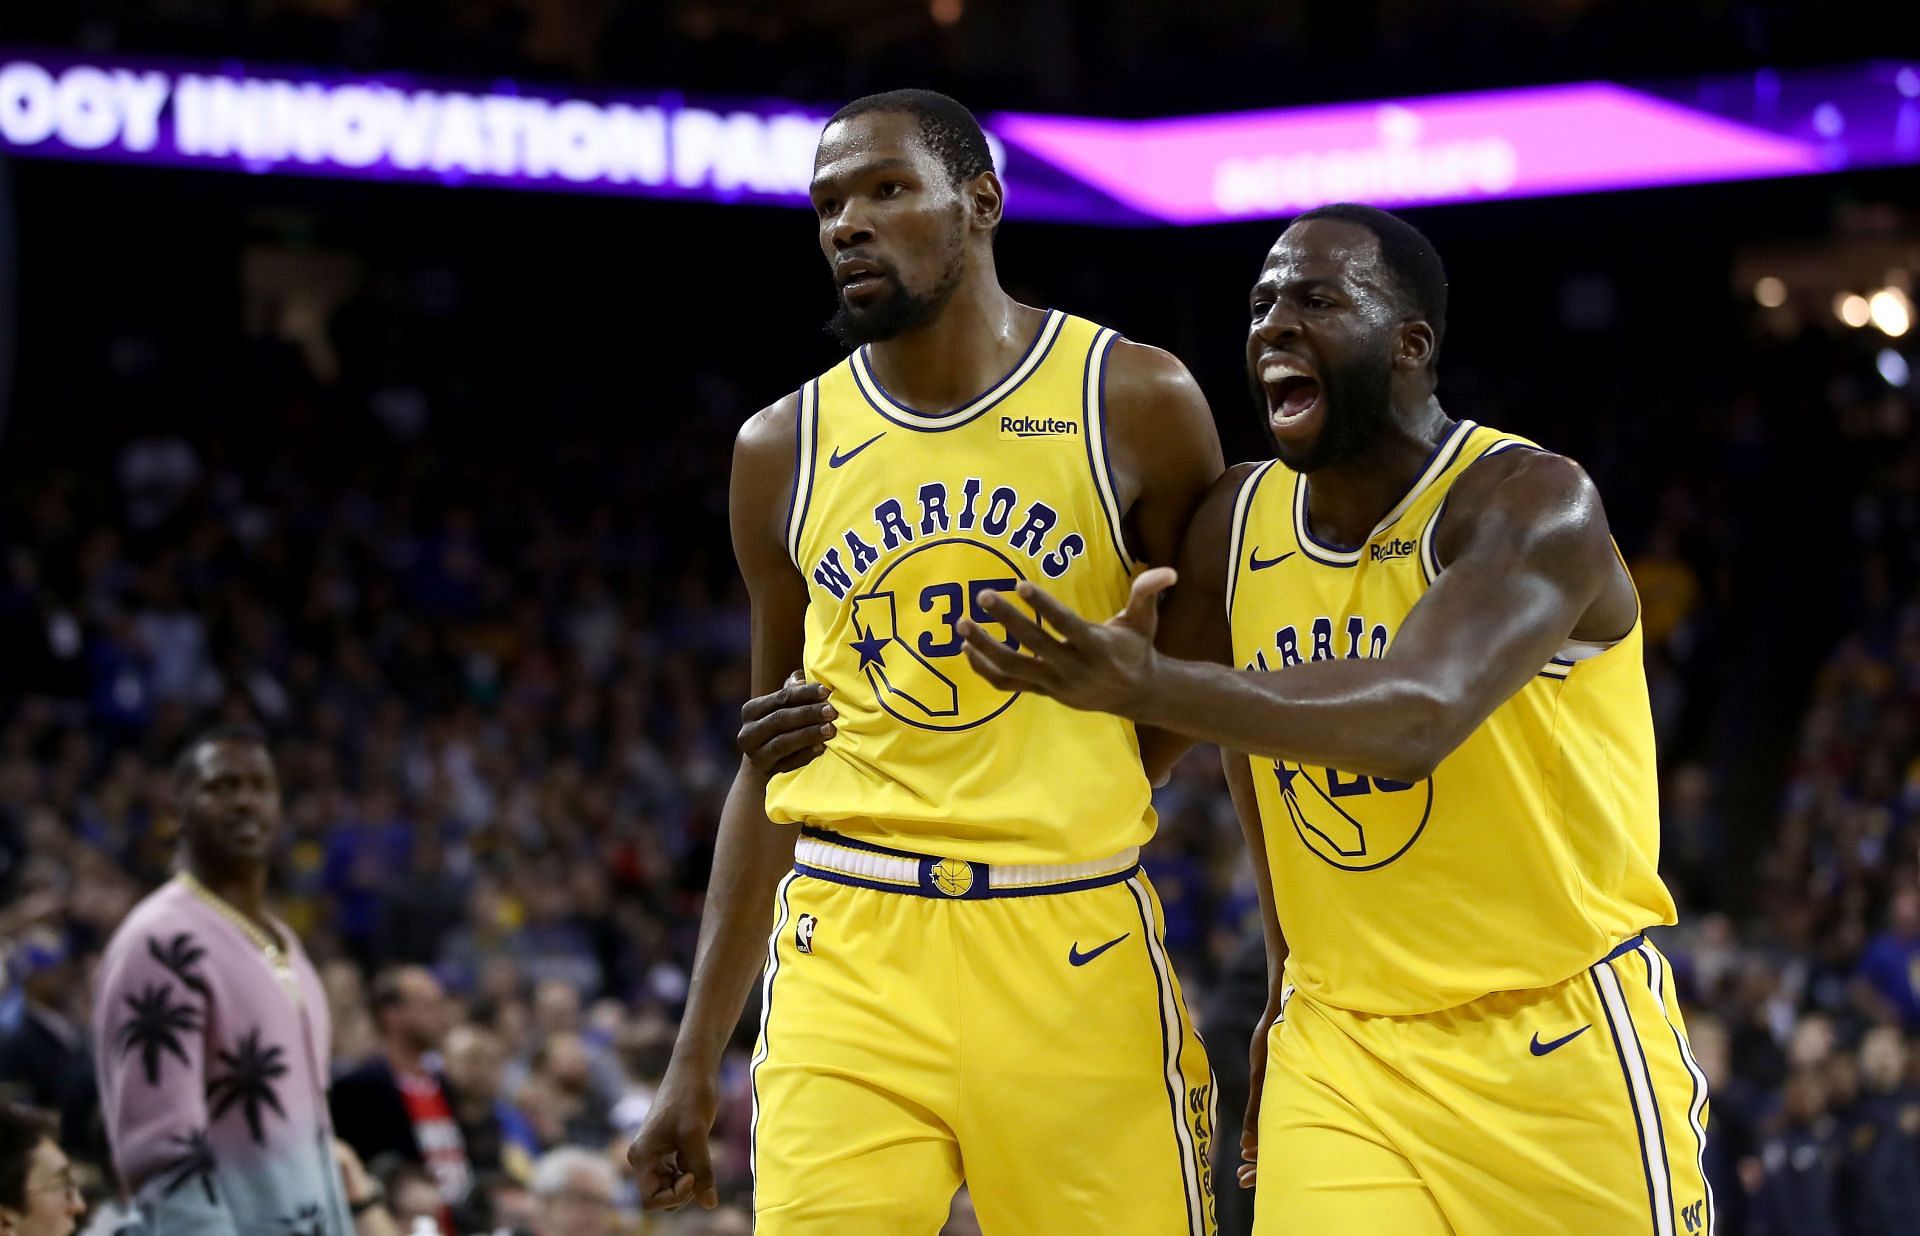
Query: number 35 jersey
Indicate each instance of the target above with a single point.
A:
(1531, 851)
(899, 521)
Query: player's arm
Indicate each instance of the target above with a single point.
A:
(1527, 563)
(1166, 454)
(669, 1155)
(1240, 784)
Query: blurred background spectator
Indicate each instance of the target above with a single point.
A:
(449, 523)
(39, 1195)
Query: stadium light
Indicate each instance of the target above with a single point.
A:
(1891, 311)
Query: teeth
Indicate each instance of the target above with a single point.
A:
(1279, 369)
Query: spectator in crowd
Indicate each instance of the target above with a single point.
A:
(1801, 1160)
(1888, 986)
(574, 1192)
(1881, 1181)
(365, 1195)
(355, 1040)
(511, 1207)
(498, 1137)
(643, 1046)
(396, 1104)
(413, 1196)
(210, 1026)
(559, 1095)
(44, 1060)
(38, 1195)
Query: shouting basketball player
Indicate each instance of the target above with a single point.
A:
(966, 978)
(1450, 755)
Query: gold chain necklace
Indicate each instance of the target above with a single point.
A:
(276, 956)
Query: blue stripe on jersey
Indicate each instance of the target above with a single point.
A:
(1093, 411)
(1189, 1172)
(1653, 1201)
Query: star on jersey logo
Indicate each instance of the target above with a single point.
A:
(1286, 776)
(869, 646)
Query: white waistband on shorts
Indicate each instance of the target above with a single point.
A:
(822, 853)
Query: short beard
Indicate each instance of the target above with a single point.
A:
(1358, 402)
(897, 313)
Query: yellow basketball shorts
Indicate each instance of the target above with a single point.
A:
(928, 1021)
(1573, 1109)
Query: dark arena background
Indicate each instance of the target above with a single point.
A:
(420, 465)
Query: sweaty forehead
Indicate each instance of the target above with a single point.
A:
(867, 141)
(1326, 251)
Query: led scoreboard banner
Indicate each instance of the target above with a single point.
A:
(1484, 146)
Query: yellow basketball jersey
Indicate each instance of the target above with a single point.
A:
(1532, 849)
(899, 521)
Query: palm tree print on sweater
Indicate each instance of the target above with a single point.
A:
(194, 1164)
(180, 955)
(156, 1026)
(252, 1070)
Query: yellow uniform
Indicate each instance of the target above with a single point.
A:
(966, 978)
(1454, 940)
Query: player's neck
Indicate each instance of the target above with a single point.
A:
(980, 335)
(1347, 500)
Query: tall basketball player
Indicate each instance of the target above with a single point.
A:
(965, 978)
(1450, 777)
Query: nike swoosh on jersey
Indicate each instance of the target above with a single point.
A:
(1540, 1049)
(836, 459)
(1256, 563)
(1077, 958)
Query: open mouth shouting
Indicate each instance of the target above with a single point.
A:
(1293, 396)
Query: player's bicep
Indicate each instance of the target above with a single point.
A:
(1193, 614)
(759, 506)
(1193, 618)
(1529, 554)
(1163, 438)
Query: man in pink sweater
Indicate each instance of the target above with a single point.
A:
(211, 1033)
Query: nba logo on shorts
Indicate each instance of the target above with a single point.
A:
(803, 933)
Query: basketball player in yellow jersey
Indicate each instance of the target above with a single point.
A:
(1451, 786)
(966, 978)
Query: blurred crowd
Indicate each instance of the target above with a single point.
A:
(1033, 54)
(502, 664)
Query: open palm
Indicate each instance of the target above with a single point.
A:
(1097, 667)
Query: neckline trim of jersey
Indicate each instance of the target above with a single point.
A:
(1444, 454)
(908, 418)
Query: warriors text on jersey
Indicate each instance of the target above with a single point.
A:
(899, 521)
(1531, 850)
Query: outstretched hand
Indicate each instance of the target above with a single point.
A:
(1095, 667)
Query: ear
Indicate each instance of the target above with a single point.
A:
(1415, 347)
(987, 199)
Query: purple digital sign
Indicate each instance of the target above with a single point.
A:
(1577, 138)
